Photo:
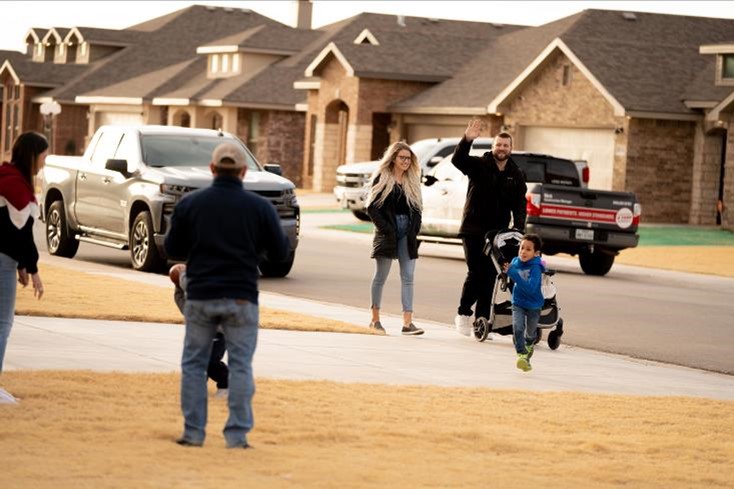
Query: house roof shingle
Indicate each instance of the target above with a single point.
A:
(175, 41)
(115, 37)
(632, 59)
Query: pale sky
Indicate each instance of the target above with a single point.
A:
(18, 17)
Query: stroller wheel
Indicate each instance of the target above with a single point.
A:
(481, 329)
(554, 340)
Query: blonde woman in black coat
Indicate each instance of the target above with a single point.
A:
(394, 205)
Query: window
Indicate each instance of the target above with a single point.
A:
(236, 63)
(214, 63)
(105, 149)
(253, 133)
(566, 80)
(727, 66)
(225, 63)
(161, 150)
(128, 150)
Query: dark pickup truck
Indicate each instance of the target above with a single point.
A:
(593, 224)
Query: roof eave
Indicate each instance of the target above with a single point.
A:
(440, 110)
(516, 85)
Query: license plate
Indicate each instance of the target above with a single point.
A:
(585, 234)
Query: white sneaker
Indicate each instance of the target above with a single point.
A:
(463, 325)
(222, 393)
(6, 397)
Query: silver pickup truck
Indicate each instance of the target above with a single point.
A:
(122, 192)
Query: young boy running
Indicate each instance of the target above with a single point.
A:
(217, 369)
(526, 271)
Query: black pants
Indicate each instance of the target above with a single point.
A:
(480, 278)
(217, 370)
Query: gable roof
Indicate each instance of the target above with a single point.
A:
(266, 39)
(408, 48)
(39, 74)
(491, 69)
(173, 40)
(631, 59)
(109, 37)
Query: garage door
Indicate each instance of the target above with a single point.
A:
(118, 118)
(416, 132)
(596, 146)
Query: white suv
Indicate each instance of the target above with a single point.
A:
(353, 180)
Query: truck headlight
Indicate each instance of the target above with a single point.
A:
(289, 197)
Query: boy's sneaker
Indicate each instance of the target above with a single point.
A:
(412, 330)
(523, 362)
(6, 397)
(377, 326)
(463, 324)
(530, 348)
(222, 393)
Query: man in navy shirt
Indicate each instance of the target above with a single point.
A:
(222, 232)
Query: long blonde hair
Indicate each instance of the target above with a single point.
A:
(386, 182)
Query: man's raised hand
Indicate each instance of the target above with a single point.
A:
(473, 129)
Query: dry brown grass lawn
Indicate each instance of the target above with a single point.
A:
(90, 430)
(712, 260)
(70, 293)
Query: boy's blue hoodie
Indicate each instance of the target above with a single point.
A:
(527, 277)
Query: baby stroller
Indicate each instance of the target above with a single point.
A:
(502, 249)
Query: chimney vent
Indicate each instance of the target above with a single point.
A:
(401, 20)
(305, 11)
(629, 16)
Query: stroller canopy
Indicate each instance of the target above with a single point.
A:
(505, 246)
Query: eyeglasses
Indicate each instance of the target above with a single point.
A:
(403, 158)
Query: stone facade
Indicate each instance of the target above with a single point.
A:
(727, 214)
(281, 141)
(70, 129)
(660, 168)
(357, 99)
(546, 101)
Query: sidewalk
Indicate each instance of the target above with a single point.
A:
(440, 357)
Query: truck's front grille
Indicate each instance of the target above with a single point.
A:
(351, 180)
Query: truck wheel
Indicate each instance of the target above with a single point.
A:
(596, 263)
(277, 268)
(143, 252)
(361, 215)
(58, 235)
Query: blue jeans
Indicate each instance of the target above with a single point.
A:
(524, 327)
(8, 287)
(407, 269)
(239, 320)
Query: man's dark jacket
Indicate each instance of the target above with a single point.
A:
(222, 232)
(493, 195)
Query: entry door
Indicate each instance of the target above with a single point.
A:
(596, 146)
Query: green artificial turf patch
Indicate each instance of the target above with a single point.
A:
(684, 236)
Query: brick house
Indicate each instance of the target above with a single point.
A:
(646, 99)
(212, 67)
(628, 92)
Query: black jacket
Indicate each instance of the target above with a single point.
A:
(223, 231)
(385, 242)
(492, 194)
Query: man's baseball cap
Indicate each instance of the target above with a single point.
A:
(229, 155)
